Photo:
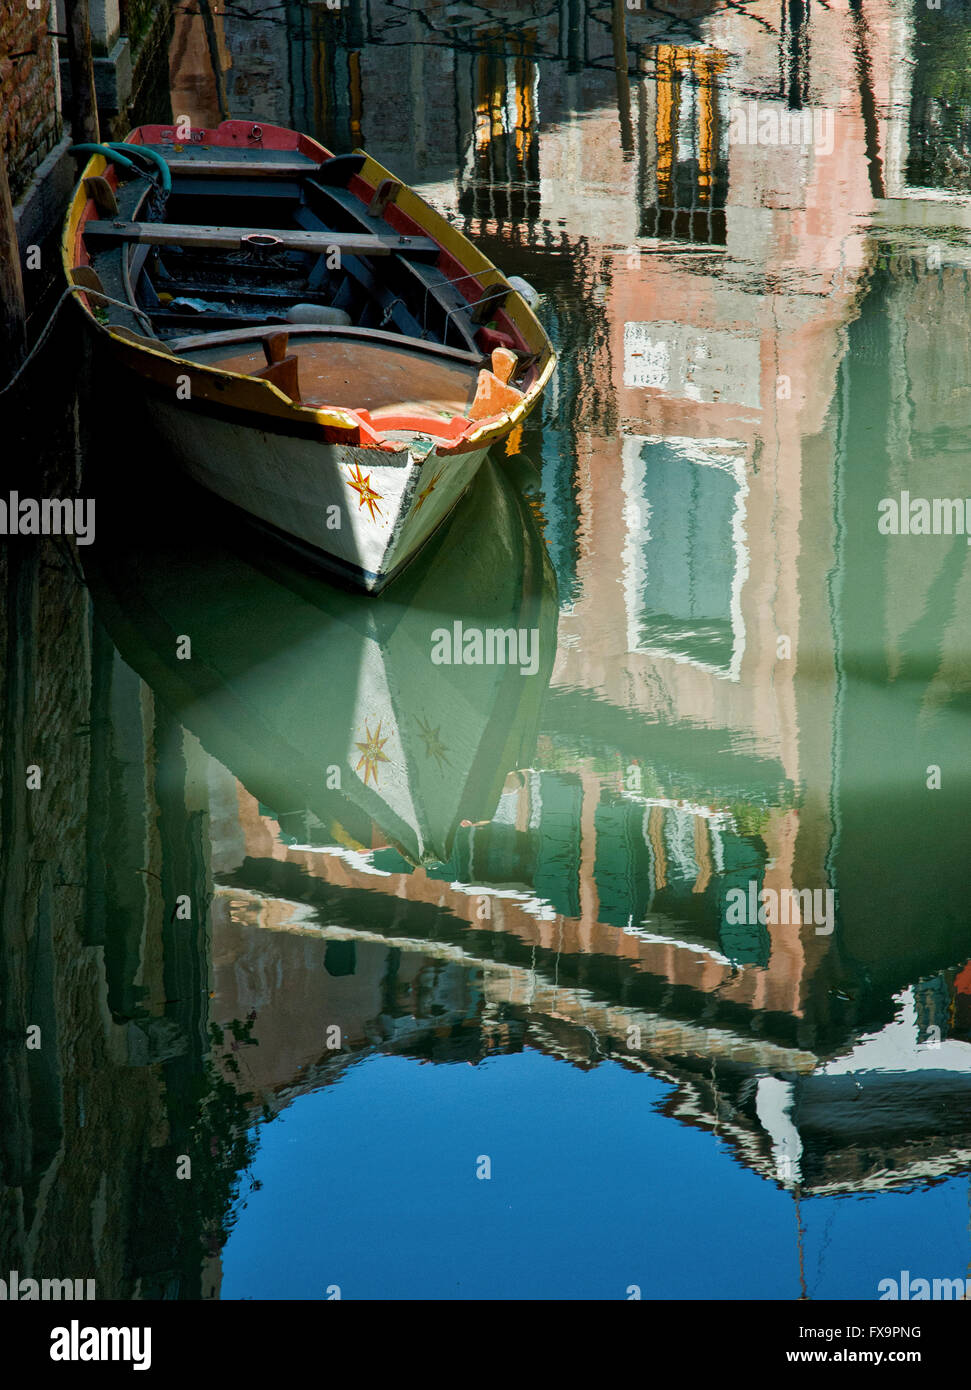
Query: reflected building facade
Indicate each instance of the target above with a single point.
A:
(690, 451)
(750, 684)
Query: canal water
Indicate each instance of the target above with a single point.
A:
(639, 966)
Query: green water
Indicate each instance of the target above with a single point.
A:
(335, 922)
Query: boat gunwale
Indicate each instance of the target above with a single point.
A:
(408, 204)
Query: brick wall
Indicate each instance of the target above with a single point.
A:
(29, 100)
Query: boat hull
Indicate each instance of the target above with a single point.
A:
(352, 441)
(363, 514)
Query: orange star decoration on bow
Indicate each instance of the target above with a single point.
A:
(371, 752)
(429, 488)
(434, 747)
(361, 483)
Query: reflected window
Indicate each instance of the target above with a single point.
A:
(794, 53)
(501, 185)
(623, 869)
(683, 198)
(557, 873)
(569, 333)
(685, 559)
(541, 857)
(665, 870)
(340, 958)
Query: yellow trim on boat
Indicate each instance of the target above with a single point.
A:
(97, 164)
(261, 396)
(457, 244)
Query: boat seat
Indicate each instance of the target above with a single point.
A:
(200, 341)
(423, 391)
(193, 235)
(129, 334)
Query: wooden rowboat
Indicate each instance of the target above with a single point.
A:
(316, 344)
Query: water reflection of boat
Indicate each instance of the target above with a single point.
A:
(351, 357)
(336, 710)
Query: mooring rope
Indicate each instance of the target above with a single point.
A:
(49, 325)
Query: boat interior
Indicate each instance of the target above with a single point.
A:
(271, 266)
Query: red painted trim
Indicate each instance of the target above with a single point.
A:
(232, 134)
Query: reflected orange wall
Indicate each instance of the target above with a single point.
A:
(796, 952)
(807, 237)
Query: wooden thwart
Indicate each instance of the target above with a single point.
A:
(238, 168)
(235, 238)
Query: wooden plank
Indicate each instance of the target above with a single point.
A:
(343, 198)
(450, 299)
(376, 335)
(234, 238)
(389, 305)
(239, 168)
(98, 188)
(277, 189)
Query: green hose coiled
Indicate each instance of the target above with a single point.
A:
(120, 154)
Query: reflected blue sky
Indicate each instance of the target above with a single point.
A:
(592, 1190)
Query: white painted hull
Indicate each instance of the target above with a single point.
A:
(366, 512)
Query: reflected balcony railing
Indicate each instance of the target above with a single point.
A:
(683, 197)
(501, 185)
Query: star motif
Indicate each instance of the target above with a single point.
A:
(428, 489)
(371, 753)
(434, 747)
(361, 483)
